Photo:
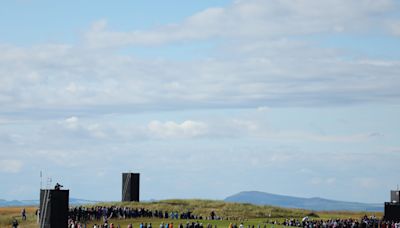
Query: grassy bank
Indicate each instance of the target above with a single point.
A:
(230, 212)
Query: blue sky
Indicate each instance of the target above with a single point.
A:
(203, 98)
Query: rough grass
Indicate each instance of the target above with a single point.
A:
(7, 214)
(236, 211)
(223, 209)
(231, 212)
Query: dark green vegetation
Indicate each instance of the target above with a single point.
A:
(230, 212)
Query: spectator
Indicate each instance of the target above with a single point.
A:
(15, 223)
(23, 214)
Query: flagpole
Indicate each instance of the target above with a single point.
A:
(41, 179)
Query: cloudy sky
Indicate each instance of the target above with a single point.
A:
(203, 98)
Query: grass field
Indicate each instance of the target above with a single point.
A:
(231, 212)
(8, 213)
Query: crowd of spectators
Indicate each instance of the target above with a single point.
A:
(76, 224)
(365, 222)
(111, 212)
(79, 216)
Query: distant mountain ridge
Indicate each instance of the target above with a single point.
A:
(315, 203)
(12, 203)
(253, 197)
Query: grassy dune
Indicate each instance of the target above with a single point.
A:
(237, 211)
(223, 209)
(231, 212)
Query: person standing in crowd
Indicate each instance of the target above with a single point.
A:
(130, 225)
(23, 214)
(15, 223)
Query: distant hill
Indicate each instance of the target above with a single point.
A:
(315, 203)
(14, 203)
(252, 197)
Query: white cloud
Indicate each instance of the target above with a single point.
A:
(10, 166)
(393, 149)
(394, 27)
(323, 181)
(11, 138)
(5, 121)
(255, 19)
(74, 88)
(170, 129)
(263, 109)
(256, 129)
(65, 156)
(245, 124)
(217, 128)
(72, 122)
(96, 131)
(80, 128)
(367, 182)
(104, 80)
(293, 135)
(262, 60)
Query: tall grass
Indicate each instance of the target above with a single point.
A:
(231, 212)
(234, 210)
